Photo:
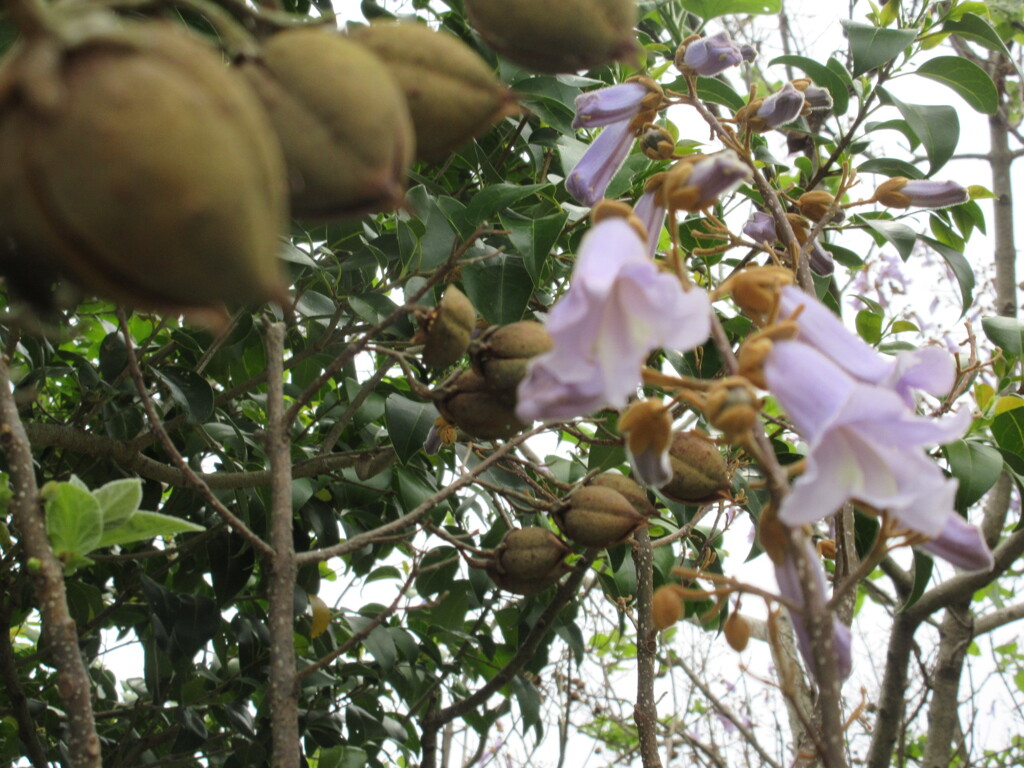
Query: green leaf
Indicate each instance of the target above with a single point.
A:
(1008, 431)
(821, 75)
(977, 466)
(899, 235)
(966, 78)
(714, 90)
(190, 392)
(343, 757)
(534, 238)
(978, 30)
(961, 270)
(938, 128)
(711, 9)
(529, 700)
(146, 525)
(873, 46)
(923, 565)
(1007, 333)
(500, 288)
(890, 166)
(118, 500)
(869, 326)
(408, 422)
(498, 197)
(380, 644)
(74, 523)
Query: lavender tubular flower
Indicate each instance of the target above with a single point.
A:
(610, 105)
(651, 212)
(618, 308)
(590, 178)
(712, 55)
(961, 544)
(783, 106)
(694, 184)
(901, 192)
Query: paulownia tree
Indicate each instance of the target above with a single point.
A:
(382, 393)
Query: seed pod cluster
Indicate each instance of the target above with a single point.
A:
(135, 163)
(600, 516)
(528, 561)
(481, 400)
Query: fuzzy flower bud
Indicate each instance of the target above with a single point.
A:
(616, 103)
(711, 55)
(901, 192)
(588, 181)
(657, 143)
(815, 204)
(783, 106)
(647, 426)
(760, 227)
(815, 97)
(697, 182)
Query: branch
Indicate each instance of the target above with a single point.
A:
(59, 631)
(283, 692)
(645, 715)
(943, 710)
(16, 695)
(996, 619)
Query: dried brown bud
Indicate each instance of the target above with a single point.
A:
(666, 607)
(478, 409)
(815, 204)
(136, 163)
(827, 548)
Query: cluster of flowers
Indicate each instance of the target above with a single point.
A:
(855, 409)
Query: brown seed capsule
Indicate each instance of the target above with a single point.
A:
(816, 203)
(598, 517)
(553, 37)
(736, 631)
(666, 608)
(448, 329)
(452, 93)
(699, 473)
(341, 118)
(477, 409)
(528, 560)
(503, 353)
(630, 490)
(136, 163)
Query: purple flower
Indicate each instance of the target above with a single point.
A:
(590, 178)
(618, 308)
(783, 106)
(791, 588)
(760, 227)
(961, 544)
(820, 260)
(651, 212)
(901, 192)
(711, 55)
(610, 105)
(696, 183)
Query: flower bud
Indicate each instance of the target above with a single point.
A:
(901, 192)
(709, 56)
(598, 517)
(528, 561)
(657, 143)
(342, 120)
(617, 103)
(698, 181)
(736, 631)
(732, 408)
(820, 261)
(827, 548)
(590, 177)
(553, 37)
(760, 227)
(448, 329)
(630, 490)
(666, 607)
(647, 427)
(699, 473)
(452, 93)
(477, 409)
(502, 354)
(816, 204)
(815, 98)
(133, 161)
(783, 106)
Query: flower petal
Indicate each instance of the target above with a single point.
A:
(961, 544)
(588, 181)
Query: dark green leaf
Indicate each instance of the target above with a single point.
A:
(822, 76)
(966, 78)
(711, 9)
(408, 422)
(498, 197)
(961, 270)
(534, 238)
(976, 466)
(938, 128)
(890, 166)
(190, 391)
(899, 235)
(978, 30)
(1007, 333)
(922, 575)
(1008, 432)
(717, 92)
(500, 288)
(529, 700)
(873, 46)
